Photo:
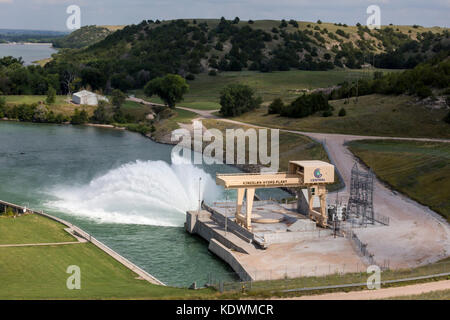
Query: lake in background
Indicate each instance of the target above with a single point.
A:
(28, 52)
(126, 190)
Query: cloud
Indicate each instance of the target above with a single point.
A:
(51, 14)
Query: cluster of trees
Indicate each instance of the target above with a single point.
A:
(15, 78)
(306, 105)
(405, 53)
(418, 81)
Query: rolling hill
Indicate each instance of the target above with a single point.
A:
(129, 57)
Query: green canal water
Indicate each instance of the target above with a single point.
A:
(126, 190)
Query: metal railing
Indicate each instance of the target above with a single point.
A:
(322, 277)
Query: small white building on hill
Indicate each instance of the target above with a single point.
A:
(87, 97)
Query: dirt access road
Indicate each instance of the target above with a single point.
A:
(415, 236)
(381, 293)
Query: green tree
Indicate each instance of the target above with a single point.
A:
(118, 98)
(2, 106)
(40, 113)
(101, 114)
(170, 89)
(276, 106)
(79, 117)
(51, 95)
(447, 118)
(342, 112)
(236, 99)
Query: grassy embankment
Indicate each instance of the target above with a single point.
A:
(433, 295)
(421, 170)
(373, 115)
(39, 272)
(62, 105)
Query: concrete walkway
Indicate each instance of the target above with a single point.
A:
(39, 244)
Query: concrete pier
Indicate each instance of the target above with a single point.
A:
(292, 247)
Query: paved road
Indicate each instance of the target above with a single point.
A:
(416, 235)
(381, 293)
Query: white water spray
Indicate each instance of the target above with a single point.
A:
(141, 192)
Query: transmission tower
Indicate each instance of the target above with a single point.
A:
(360, 202)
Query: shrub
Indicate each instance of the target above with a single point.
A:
(342, 112)
(447, 118)
(190, 76)
(423, 91)
(327, 113)
(9, 212)
(276, 106)
(79, 117)
(306, 105)
(51, 95)
(236, 99)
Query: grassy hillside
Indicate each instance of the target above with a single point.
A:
(31, 229)
(131, 56)
(398, 116)
(85, 36)
(204, 91)
(420, 170)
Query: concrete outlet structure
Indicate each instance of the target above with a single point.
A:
(311, 174)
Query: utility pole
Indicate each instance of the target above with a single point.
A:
(199, 200)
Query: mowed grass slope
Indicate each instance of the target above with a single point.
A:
(372, 115)
(420, 170)
(39, 272)
(31, 228)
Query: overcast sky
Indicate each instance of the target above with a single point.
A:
(51, 14)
